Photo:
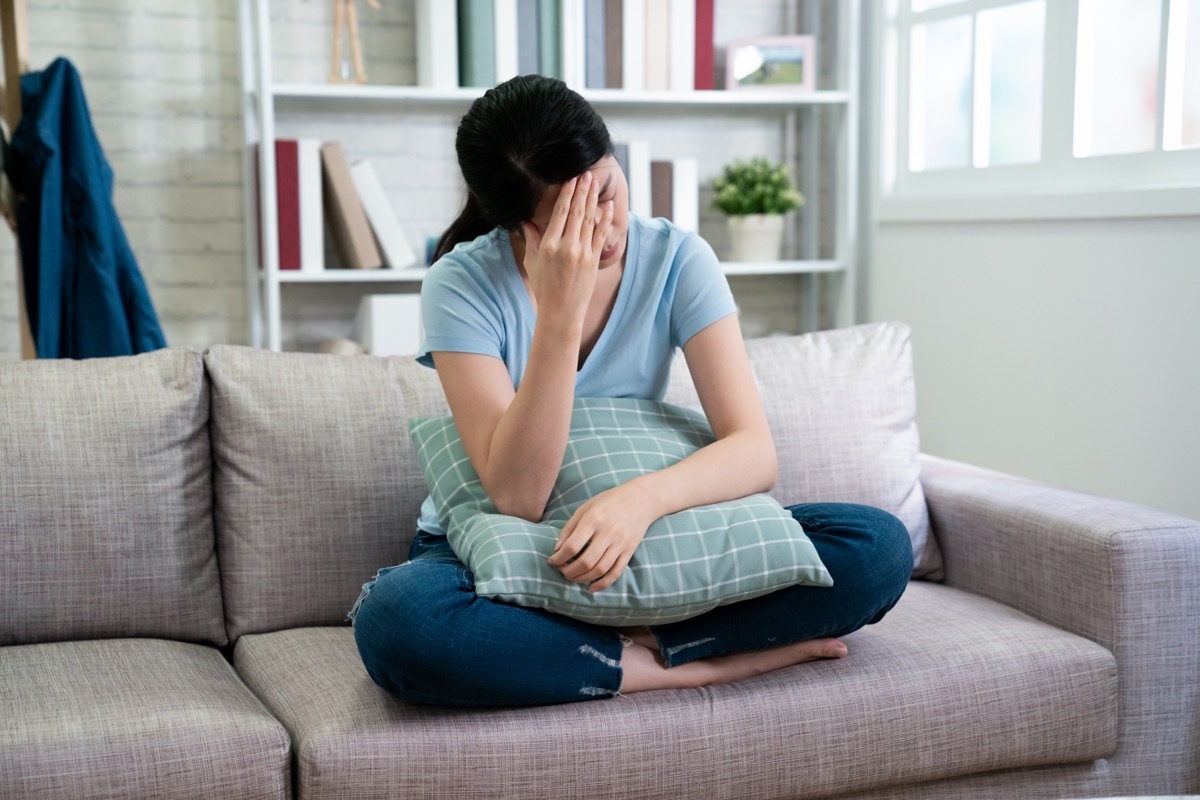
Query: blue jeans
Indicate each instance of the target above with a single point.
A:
(426, 637)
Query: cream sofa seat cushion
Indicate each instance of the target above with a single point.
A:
(947, 684)
(134, 718)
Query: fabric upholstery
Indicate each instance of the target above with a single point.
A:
(317, 485)
(842, 407)
(134, 718)
(106, 500)
(1103, 569)
(947, 684)
(688, 562)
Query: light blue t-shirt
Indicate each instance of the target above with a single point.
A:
(474, 301)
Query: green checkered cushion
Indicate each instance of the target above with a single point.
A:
(688, 563)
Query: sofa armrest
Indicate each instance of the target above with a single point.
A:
(1120, 574)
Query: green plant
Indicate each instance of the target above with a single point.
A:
(756, 187)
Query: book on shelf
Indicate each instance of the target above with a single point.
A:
(681, 70)
(395, 246)
(347, 220)
(549, 39)
(477, 43)
(528, 41)
(705, 48)
(506, 31)
(633, 45)
(437, 44)
(572, 43)
(614, 44)
(637, 174)
(594, 44)
(287, 202)
(675, 191)
(312, 205)
(658, 45)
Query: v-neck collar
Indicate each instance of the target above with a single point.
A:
(530, 314)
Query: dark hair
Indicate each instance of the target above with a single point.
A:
(526, 134)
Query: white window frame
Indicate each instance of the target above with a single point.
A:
(1155, 183)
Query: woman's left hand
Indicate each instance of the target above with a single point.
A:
(597, 542)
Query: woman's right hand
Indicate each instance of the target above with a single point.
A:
(562, 262)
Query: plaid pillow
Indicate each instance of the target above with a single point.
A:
(689, 562)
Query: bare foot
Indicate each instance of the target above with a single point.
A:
(643, 668)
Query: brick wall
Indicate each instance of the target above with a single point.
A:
(163, 82)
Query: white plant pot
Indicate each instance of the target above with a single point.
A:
(756, 237)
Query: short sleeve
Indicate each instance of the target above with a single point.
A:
(702, 294)
(458, 313)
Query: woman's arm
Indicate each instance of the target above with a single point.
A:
(516, 439)
(740, 462)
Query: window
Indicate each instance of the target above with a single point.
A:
(1006, 98)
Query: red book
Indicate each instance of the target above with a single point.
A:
(705, 63)
(287, 195)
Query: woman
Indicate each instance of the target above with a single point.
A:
(546, 288)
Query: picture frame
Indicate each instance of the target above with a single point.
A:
(774, 63)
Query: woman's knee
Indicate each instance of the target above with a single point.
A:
(399, 630)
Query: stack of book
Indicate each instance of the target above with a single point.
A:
(316, 183)
(667, 188)
(595, 44)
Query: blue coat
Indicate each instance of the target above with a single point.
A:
(83, 291)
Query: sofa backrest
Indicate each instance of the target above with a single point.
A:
(106, 500)
(842, 409)
(317, 484)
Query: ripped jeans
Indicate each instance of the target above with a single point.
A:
(426, 637)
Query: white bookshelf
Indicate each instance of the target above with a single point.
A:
(263, 97)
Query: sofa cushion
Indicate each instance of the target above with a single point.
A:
(106, 502)
(134, 718)
(688, 562)
(842, 407)
(317, 485)
(947, 684)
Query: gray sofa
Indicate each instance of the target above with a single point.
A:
(182, 534)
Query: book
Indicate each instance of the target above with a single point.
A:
(347, 220)
(549, 39)
(657, 41)
(505, 29)
(594, 46)
(660, 189)
(621, 154)
(633, 45)
(681, 70)
(528, 37)
(312, 207)
(437, 44)
(675, 192)
(705, 49)
(287, 202)
(476, 43)
(614, 43)
(685, 193)
(638, 177)
(572, 51)
(397, 250)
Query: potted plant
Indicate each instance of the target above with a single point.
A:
(756, 194)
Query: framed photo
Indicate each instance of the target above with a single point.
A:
(778, 62)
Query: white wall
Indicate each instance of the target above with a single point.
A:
(1061, 350)
(163, 82)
